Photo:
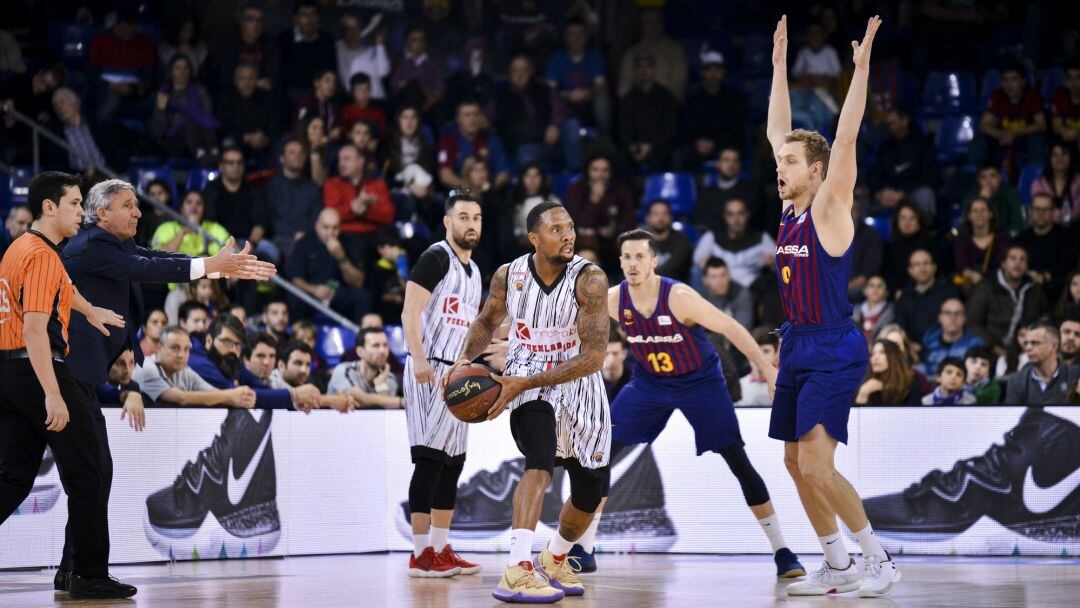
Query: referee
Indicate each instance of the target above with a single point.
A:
(36, 300)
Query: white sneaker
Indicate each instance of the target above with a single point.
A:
(827, 580)
(879, 576)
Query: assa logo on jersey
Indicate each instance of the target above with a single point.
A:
(452, 312)
(676, 339)
(545, 339)
(794, 250)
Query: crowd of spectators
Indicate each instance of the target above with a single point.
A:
(328, 133)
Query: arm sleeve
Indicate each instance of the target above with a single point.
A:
(44, 273)
(430, 268)
(194, 382)
(265, 398)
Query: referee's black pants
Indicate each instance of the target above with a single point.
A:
(93, 407)
(77, 451)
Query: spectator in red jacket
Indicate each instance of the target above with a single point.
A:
(124, 61)
(1065, 107)
(1013, 122)
(362, 202)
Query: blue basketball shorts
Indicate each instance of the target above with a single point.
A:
(642, 408)
(821, 369)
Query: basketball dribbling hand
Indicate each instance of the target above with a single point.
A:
(450, 372)
(422, 371)
(512, 386)
(56, 413)
(861, 52)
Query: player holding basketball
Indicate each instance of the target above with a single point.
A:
(442, 296)
(676, 367)
(559, 414)
(823, 356)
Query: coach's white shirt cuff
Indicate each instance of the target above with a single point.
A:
(198, 268)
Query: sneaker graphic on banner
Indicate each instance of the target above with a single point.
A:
(44, 495)
(223, 503)
(635, 515)
(1020, 496)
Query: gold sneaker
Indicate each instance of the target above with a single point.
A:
(559, 573)
(520, 584)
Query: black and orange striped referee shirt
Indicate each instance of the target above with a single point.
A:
(33, 279)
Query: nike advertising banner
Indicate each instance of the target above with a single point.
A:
(213, 484)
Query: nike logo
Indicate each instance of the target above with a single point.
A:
(1041, 500)
(832, 541)
(238, 485)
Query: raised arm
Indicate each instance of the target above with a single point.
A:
(840, 177)
(779, 123)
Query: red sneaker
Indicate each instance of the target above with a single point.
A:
(431, 565)
(466, 567)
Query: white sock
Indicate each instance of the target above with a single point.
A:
(439, 537)
(419, 543)
(868, 542)
(835, 552)
(588, 539)
(559, 546)
(520, 545)
(771, 526)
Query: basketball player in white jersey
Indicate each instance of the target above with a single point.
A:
(823, 356)
(557, 306)
(442, 296)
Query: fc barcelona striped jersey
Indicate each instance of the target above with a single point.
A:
(661, 345)
(813, 284)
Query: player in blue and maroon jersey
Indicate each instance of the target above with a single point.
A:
(823, 355)
(676, 368)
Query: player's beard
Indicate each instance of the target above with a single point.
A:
(462, 241)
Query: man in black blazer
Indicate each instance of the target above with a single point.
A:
(105, 264)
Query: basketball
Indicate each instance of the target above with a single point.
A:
(471, 392)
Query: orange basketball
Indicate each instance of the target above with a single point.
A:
(471, 392)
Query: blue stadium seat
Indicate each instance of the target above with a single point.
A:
(1028, 175)
(17, 186)
(676, 188)
(756, 97)
(757, 54)
(954, 137)
(198, 179)
(144, 175)
(947, 93)
(561, 181)
(71, 43)
(687, 228)
(333, 341)
(1052, 78)
(881, 222)
(408, 230)
(396, 336)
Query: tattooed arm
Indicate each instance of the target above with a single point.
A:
(482, 328)
(592, 326)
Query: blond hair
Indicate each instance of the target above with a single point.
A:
(817, 148)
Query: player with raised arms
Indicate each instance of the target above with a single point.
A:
(823, 355)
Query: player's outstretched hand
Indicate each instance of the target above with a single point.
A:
(512, 386)
(100, 317)
(861, 52)
(779, 43)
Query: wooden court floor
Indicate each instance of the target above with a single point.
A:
(624, 581)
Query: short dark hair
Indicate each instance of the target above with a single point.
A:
(275, 300)
(925, 250)
(323, 72)
(1050, 328)
(954, 362)
(533, 219)
(763, 335)
(226, 321)
(257, 338)
(656, 202)
(638, 234)
(982, 351)
(460, 194)
(49, 185)
(714, 262)
(358, 79)
(291, 346)
(361, 336)
(1015, 245)
(232, 148)
(468, 101)
(1014, 65)
(185, 309)
(305, 4)
(1072, 315)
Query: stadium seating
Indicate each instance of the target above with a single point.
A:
(144, 175)
(954, 138)
(396, 336)
(561, 181)
(947, 94)
(70, 42)
(333, 341)
(676, 188)
(198, 179)
(1028, 175)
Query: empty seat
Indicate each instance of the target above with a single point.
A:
(947, 93)
(333, 341)
(676, 188)
(144, 175)
(1028, 175)
(954, 138)
(198, 179)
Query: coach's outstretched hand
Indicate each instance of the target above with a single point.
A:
(512, 386)
(100, 317)
(240, 265)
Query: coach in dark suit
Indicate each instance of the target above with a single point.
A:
(106, 265)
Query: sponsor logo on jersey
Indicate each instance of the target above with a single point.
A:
(663, 320)
(545, 339)
(598, 457)
(450, 305)
(517, 279)
(628, 317)
(676, 339)
(794, 250)
(785, 273)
